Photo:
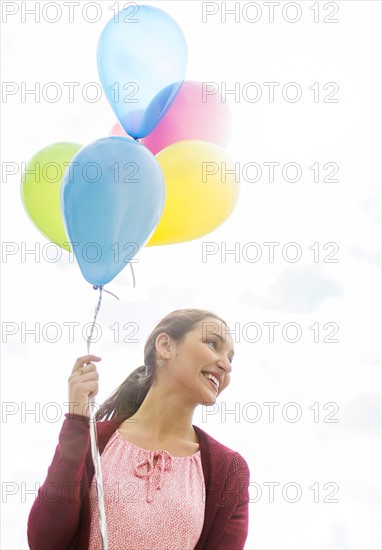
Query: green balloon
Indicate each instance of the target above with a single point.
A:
(41, 188)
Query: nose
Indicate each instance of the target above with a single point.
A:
(224, 364)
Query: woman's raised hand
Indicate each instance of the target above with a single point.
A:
(83, 383)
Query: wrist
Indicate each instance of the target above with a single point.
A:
(76, 417)
(80, 407)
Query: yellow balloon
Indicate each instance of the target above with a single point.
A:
(201, 191)
(41, 186)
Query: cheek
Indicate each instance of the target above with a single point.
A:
(204, 354)
(226, 382)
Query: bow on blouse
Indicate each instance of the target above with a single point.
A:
(155, 475)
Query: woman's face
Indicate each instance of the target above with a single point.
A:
(206, 350)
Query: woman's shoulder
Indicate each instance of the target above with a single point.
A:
(213, 446)
(105, 430)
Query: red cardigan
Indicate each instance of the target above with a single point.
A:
(56, 520)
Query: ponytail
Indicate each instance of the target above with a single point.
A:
(128, 397)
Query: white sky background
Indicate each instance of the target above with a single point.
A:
(34, 291)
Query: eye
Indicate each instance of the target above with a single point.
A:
(213, 342)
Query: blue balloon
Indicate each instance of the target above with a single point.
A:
(142, 58)
(112, 198)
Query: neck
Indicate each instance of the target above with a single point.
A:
(164, 414)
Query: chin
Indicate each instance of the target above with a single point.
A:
(209, 401)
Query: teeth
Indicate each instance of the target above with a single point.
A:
(213, 378)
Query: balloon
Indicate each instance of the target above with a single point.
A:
(40, 189)
(194, 115)
(201, 191)
(111, 201)
(142, 57)
(117, 130)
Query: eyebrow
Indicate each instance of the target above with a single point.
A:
(220, 338)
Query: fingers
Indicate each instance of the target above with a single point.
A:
(86, 373)
(89, 368)
(83, 382)
(90, 374)
(84, 360)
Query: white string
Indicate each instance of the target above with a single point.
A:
(132, 273)
(93, 437)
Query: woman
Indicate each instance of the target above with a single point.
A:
(167, 484)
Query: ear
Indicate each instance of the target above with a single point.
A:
(164, 345)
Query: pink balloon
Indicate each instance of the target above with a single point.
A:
(117, 130)
(196, 113)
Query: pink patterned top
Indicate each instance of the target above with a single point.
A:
(161, 508)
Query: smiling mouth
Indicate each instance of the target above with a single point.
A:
(211, 383)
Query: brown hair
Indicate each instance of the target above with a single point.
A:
(129, 396)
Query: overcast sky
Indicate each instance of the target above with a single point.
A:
(321, 131)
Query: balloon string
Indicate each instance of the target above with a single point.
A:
(89, 339)
(95, 317)
(93, 435)
(132, 272)
(98, 473)
(108, 291)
